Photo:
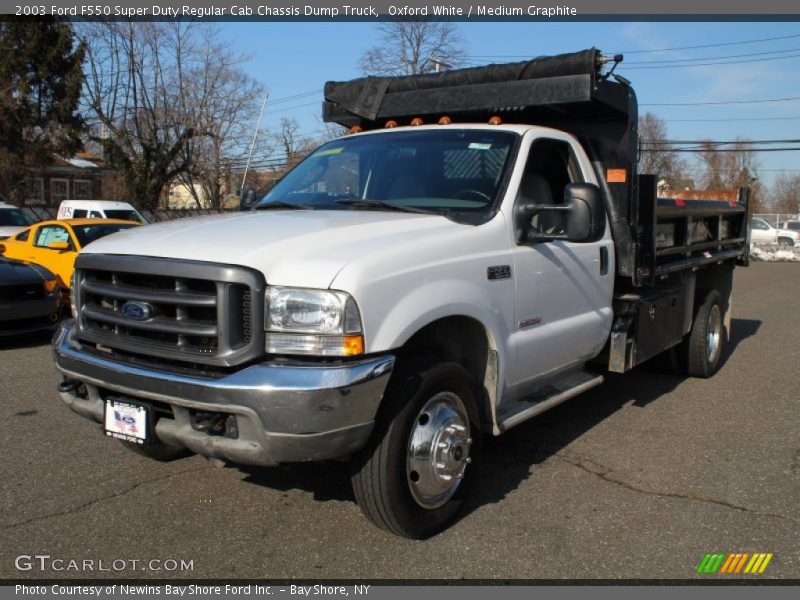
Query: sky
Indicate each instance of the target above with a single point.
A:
(295, 59)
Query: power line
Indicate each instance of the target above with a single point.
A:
(718, 45)
(760, 101)
(793, 118)
(706, 64)
(739, 43)
(695, 59)
(786, 149)
(296, 96)
(717, 142)
(294, 107)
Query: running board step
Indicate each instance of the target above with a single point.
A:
(556, 393)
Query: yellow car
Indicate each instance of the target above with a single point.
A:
(55, 244)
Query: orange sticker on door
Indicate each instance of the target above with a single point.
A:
(616, 175)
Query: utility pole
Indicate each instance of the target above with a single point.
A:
(438, 64)
(253, 145)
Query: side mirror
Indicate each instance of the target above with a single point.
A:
(248, 199)
(583, 213)
(61, 246)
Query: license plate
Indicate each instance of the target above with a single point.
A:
(127, 421)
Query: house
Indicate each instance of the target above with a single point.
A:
(81, 177)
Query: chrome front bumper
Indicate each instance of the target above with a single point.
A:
(285, 413)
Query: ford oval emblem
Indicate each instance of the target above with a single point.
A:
(138, 311)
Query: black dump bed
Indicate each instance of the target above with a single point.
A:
(569, 92)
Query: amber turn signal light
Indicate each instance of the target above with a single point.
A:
(50, 286)
(353, 345)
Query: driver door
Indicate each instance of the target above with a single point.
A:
(563, 289)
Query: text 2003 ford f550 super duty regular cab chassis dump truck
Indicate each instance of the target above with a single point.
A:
(407, 289)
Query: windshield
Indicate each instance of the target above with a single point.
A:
(125, 215)
(441, 171)
(14, 217)
(86, 234)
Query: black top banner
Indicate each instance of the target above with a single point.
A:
(456, 10)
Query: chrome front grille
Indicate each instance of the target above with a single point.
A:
(192, 311)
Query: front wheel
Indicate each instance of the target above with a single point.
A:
(413, 477)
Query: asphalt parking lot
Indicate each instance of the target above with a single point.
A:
(636, 479)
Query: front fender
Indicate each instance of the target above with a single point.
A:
(436, 300)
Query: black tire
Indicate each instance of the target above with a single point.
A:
(701, 354)
(784, 243)
(158, 451)
(383, 481)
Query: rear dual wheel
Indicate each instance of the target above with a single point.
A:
(700, 352)
(703, 347)
(413, 477)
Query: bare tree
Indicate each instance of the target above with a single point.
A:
(658, 157)
(786, 194)
(224, 102)
(731, 166)
(413, 47)
(330, 132)
(142, 101)
(728, 166)
(292, 145)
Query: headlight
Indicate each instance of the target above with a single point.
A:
(313, 322)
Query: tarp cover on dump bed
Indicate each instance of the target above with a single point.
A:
(542, 90)
(364, 97)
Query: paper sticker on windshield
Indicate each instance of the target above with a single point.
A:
(479, 146)
(329, 151)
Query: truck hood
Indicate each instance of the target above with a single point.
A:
(294, 248)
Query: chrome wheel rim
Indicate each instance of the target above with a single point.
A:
(714, 333)
(438, 450)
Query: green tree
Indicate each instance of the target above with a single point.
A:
(40, 86)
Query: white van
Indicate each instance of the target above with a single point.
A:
(98, 209)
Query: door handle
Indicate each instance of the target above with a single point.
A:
(603, 261)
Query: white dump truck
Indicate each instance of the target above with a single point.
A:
(477, 250)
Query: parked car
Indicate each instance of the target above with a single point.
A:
(99, 209)
(55, 244)
(792, 226)
(764, 232)
(30, 298)
(12, 220)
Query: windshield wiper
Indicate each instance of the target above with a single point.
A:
(367, 203)
(280, 204)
